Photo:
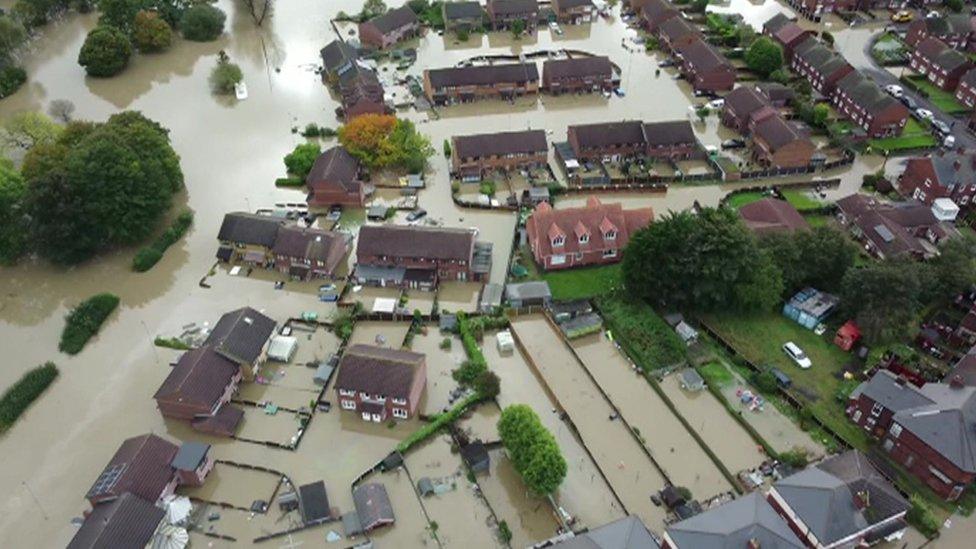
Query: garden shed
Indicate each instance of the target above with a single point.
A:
(691, 381)
(809, 307)
(505, 341)
(282, 348)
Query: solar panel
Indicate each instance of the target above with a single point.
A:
(107, 479)
(884, 233)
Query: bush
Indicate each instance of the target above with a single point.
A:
(445, 344)
(202, 23)
(84, 321)
(150, 33)
(149, 255)
(20, 395)
(796, 458)
(299, 162)
(145, 259)
(106, 52)
(289, 182)
(11, 79)
(487, 187)
(504, 532)
(765, 381)
(171, 343)
(225, 76)
(922, 518)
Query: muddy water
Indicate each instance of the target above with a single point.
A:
(530, 519)
(621, 459)
(411, 527)
(440, 364)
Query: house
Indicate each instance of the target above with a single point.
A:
(242, 336)
(475, 456)
(126, 521)
(574, 11)
(306, 252)
(624, 533)
(373, 506)
(842, 501)
(772, 215)
(630, 138)
(949, 175)
(706, 68)
(740, 106)
(929, 430)
(655, 12)
(361, 93)
(337, 58)
(674, 140)
(577, 74)
(502, 13)
(675, 33)
(335, 180)
(464, 16)
(198, 386)
(820, 65)
(313, 503)
(528, 294)
(891, 230)
(862, 102)
(473, 155)
(141, 466)
(420, 256)
(247, 237)
(779, 144)
(462, 84)
(810, 308)
(942, 65)
(594, 234)
(380, 383)
(965, 369)
(778, 95)
(749, 521)
(955, 29)
(815, 9)
(192, 463)
(785, 32)
(386, 30)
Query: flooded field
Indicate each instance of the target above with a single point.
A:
(621, 459)
(709, 418)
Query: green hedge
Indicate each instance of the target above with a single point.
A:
(476, 363)
(438, 422)
(149, 255)
(171, 343)
(20, 395)
(11, 79)
(84, 321)
(289, 182)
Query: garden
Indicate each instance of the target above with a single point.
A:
(914, 136)
(943, 100)
(579, 283)
(889, 50)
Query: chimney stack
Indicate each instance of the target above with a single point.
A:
(956, 382)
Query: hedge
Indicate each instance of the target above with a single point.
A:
(171, 343)
(83, 322)
(20, 395)
(149, 255)
(289, 182)
(439, 421)
(650, 342)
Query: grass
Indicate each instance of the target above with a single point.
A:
(578, 283)
(148, 256)
(817, 220)
(801, 200)
(914, 136)
(644, 335)
(716, 374)
(738, 200)
(20, 395)
(943, 100)
(84, 321)
(889, 50)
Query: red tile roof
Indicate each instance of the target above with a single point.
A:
(546, 222)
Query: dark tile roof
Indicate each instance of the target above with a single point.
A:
(880, 223)
(475, 455)
(772, 215)
(625, 533)
(336, 54)
(411, 241)
(937, 52)
(578, 67)
(190, 456)
(124, 522)
(394, 19)
(501, 143)
(254, 229)
(678, 132)
(513, 7)
(240, 335)
(965, 369)
(744, 101)
(956, 23)
(483, 75)
(141, 466)
(675, 29)
(734, 525)
(223, 423)
(776, 22)
(372, 505)
(570, 4)
(774, 91)
(704, 57)
(820, 57)
(307, 243)
(200, 378)
(969, 78)
(335, 165)
(462, 10)
(863, 91)
(314, 502)
(378, 370)
(777, 132)
(603, 134)
(656, 9)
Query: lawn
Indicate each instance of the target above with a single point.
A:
(716, 374)
(577, 283)
(816, 220)
(943, 100)
(889, 50)
(914, 136)
(739, 200)
(801, 200)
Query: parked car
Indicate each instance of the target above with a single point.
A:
(949, 142)
(894, 90)
(733, 143)
(903, 16)
(908, 102)
(941, 126)
(619, 92)
(924, 114)
(797, 355)
(416, 214)
(716, 104)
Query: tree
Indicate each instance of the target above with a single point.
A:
(827, 38)
(11, 79)
(364, 135)
(532, 449)
(13, 230)
(408, 148)
(119, 13)
(884, 298)
(381, 140)
(954, 269)
(225, 75)
(819, 258)
(12, 36)
(447, 149)
(35, 13)
(299, 162)
(780, 75)
(820, 114)
(764, 56)
(202, 23)
(518, 27)
(26, 129)
(259, 9)
(702, 113)
(955, 6)
(151, 33)
(487, 384)
(106, 52)
(371, 9)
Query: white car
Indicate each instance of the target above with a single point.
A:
(797, 355)
(924, 114)
(716, 103)
(894, 90)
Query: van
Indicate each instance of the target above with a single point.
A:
(797, 355)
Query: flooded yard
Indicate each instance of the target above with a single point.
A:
(530, 519)
(260, 425)
(440, 364)
(384, 334)
(411, 528)
(459, 296)
(235, 486)
(367, 296)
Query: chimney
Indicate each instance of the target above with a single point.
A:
(862, 499)
(956, 382)
(956, 164)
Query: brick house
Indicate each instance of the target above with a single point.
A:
(594, 234)
(674, 140)
(955, 29)
(337, 58)
(740, 106)
(929, 430)
(862, 102)
(419, 257)
(335, 180)
(387, 30)
(502, 13)
(889, 230)
(198, 386)
(462, 84)
(578, 74)
(843, 501)
(780, 144)
(748, 522)
(942, 175)
(777, 94)
(655, 12)
(463, 16)
(380, 383)
(706, 68)
(473, 155)
(574, 11)
(361, 92)
(785, 32)
(632, 138)
(942, 65)
(243, 336)
(192, 463)
(306, 253)
(676, 33)
(772, 215)
(141, 466)
(966, 90)
(126, 521)
(247, 237)
(820, 65)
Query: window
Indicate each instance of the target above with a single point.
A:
(400, 401)
(910, 460)
(558, 241)
(895, 430)
(610, 235)
(610, 253)
(347, 392)
(365, 416)
(363, 395)
(584, 238)
(939, 475)
(400, 413)
(377, 418)
(876, 409)
(857, 416)
(348, 404)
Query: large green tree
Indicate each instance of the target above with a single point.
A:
(818, 258)
(12, 36)
(151, 33)
(300, 161)
(884, 298)
(764, 56)
(13, 228)
(532, 449)
(119, 13)
(202, 23)
(106, 52)
(954, 269)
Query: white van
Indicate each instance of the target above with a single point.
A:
(797, 355)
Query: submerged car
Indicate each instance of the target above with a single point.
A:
(416, 214)
(733, 143)
(797, 355)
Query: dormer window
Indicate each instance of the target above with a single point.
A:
(584, 238)
(558, 241)
(610, 235)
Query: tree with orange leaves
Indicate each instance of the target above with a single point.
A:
(382, 140)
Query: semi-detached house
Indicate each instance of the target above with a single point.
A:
(863, 102)
(380, 383)
(942, 65)
(820, 65)
(473, 155)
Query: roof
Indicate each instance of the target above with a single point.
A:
(394, 19)
(335, 166)
(940, 54)
(965, 368)
(438, 243)
(240, 335)
(777, 132)
(863, 91)
(956, 23)
(733, 525)
(675, 28)
(125, 522)
(969, 78)
(223, 423)
(625, 533)
(678, 132)
(254, 229)
(578, 67)
(690, 377)
(337, 54)
(462, 10)
(501, 143)
(744, 101)
(200, 378)
(603, 134)
(772, 215)
(314, 502)
(570, 4)
(776, 22)
(538, 289)
(372, 505)
(952, 168)
(378, 370)
(513, 7)
(841, 497)
(307, 243)
(820, 57)
(704, 57)
(141, 466)
(483, 75)
(813, 302)
(788, 33)
(596, 218)
(190, 455)
(886, 224)
(475, 454)
(774, 91)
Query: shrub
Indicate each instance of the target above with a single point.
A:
(11, 79)
(145, 259)
(447, 149)
(84, 321)
(487, 187)
(764, 381)
(487, 384)
(504, 532)
(150, 33)
(149, 255)
(796, 458)
(921, 517)
(299, 162)
(445, 344)
(106, 52)
(20, 395)
(173, 343)
(224, 76)
(202, 23)
(289, 182)
(532, 449)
